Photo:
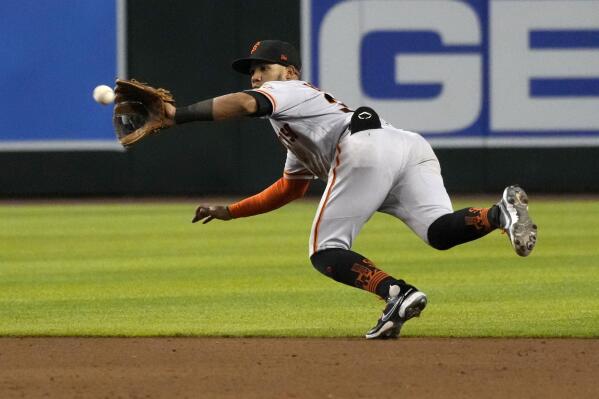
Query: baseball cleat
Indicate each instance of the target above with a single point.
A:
(516, 222)
(404, 302)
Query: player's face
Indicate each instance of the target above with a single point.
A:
(261, 73)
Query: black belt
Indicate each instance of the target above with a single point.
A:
(364, 118)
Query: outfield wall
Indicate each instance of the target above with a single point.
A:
(187, 46)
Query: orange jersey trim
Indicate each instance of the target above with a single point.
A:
(326, 200)
(270, 98)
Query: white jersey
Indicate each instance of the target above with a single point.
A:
(309, 123)
(388, 170)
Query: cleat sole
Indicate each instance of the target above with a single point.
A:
(384, 332)
(522, 232)
(415, 309)
(412, 306)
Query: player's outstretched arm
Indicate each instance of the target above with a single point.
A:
(141, 110)
(228, 106)
(282, 192)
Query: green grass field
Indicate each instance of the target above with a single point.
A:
(144, 269)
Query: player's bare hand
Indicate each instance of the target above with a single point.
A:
(208, 213)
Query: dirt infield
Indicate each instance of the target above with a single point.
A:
(297, 368)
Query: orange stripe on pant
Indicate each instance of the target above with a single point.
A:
(326, 200)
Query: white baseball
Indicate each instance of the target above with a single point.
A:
(103, 94)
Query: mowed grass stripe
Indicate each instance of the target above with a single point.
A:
(144, 269)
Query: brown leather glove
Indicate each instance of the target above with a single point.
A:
(139, 110)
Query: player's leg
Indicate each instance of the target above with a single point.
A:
(421, 201)
(358, 184)
(462, 226)
(509, 214)
(354, 192)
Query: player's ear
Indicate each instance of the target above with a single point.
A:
(288, 73)
(291, 73)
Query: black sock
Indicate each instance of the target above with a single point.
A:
(353, 269)
(493, 216)
(462, 226)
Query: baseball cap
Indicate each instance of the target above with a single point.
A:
(274, 51)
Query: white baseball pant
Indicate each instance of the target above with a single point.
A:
(387, 170)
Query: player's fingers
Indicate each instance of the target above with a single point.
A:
(208, 219)
(201, 213)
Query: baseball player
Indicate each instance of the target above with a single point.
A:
(368, 165)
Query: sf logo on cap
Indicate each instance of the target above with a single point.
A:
(365, 115)
(255, 47)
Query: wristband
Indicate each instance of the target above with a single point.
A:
(200, 111)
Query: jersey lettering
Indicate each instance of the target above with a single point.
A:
(288, 133)
(308, 122)
(332, 100)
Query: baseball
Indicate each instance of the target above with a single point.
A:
(103, 94)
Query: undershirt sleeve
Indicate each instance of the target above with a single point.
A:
(264, 104)
(280, 193)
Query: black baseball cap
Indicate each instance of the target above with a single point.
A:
(273, 51)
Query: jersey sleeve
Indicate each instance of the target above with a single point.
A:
(294, 169)
(285, 95)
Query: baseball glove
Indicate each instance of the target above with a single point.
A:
(139, 110)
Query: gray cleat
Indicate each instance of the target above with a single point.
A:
(516, 222)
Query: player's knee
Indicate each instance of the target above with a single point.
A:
(327, 261)
(437, 234)
(324, 260)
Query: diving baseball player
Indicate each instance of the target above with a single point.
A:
(368, 165)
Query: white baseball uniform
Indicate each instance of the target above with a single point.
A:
(388, 170)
